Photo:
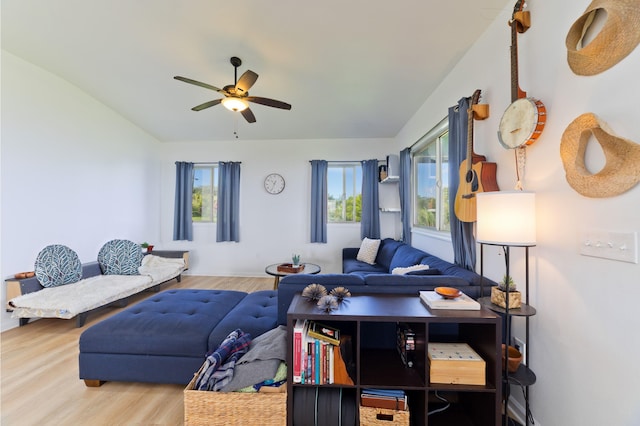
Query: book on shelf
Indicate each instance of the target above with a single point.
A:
(298, 329)
(313, 359)
(383, 398)
(324, 332)
(434, 301)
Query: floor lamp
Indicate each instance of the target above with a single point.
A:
(508, 219)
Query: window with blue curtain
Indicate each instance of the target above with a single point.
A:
(370, 222)
(405, 194)
(319, 201)
(182, 222)
(228, 225)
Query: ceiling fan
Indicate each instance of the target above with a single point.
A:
(236, 96)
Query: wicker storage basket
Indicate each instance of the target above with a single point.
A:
(370, 416)
(233, 408)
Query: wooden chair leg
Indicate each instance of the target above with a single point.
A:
(93, 383)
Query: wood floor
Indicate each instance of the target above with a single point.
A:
(40, 384)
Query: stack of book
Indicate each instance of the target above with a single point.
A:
(315, 348)
(435, 301)
(390, 399)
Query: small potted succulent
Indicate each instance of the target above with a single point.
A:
(499, 296)
(295, 258)
(146, 247)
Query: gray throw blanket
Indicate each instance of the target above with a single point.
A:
(261, 362)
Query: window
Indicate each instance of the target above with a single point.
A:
(204, 202)
(431, 179)
(344, 192)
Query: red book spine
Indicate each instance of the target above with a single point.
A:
(297, 355)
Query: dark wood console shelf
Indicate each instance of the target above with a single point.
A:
(369, 319)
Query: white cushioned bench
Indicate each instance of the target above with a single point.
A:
(64, 288)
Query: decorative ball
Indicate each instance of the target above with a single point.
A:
(328, 303)
(340, 293)
(314, 292)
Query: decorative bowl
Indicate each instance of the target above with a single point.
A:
(448, 292)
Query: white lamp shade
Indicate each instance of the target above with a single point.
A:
(235, 104)
(506, 218)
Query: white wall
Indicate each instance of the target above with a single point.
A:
(584, 343)
(272, 227)
(73, 172)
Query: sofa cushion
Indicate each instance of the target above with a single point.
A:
(120, 257)
(368, 251)
(255, 314)
(170, 323)
(387, 249)
(350, 266)
(57, 265)
(406, 256)
(419, 282)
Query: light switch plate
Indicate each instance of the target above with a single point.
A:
(614, 245)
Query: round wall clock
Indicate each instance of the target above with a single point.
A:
(274, 183)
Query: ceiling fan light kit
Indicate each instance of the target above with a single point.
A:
(235, 104)
(236, 96)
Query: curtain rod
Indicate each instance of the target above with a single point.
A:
(215, 162)
(350, 161)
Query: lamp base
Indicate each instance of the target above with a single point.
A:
(499, 297)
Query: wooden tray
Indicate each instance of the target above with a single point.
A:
(289, 268)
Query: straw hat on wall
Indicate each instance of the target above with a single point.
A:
(622, 169)
(618, 37)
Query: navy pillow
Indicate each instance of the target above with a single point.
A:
(406, 256)
(387, 249)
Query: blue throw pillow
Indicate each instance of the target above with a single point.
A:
(57, 265)
(120, 257)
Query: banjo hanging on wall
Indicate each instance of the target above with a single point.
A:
(524, 119)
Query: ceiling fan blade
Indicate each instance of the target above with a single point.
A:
(247, 79)
(206, 105)
(248, 115)
(268, 102)
(199, 83)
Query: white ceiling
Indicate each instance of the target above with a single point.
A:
(349, 68)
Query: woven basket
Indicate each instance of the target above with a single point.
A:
(233, 408)
(370, 416)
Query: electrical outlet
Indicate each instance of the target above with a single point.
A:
(522, 348)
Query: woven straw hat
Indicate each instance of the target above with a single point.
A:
(617, 38)
(622, 169)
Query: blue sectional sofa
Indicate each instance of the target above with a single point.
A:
(361, 277)
(165, 338)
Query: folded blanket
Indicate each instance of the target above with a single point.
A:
(230, 350)
(261, 362)
(276, 385)
(161, 268)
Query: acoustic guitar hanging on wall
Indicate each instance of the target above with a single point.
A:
(525, 118)
(476, 174)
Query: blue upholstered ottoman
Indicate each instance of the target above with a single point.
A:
(164, 339)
